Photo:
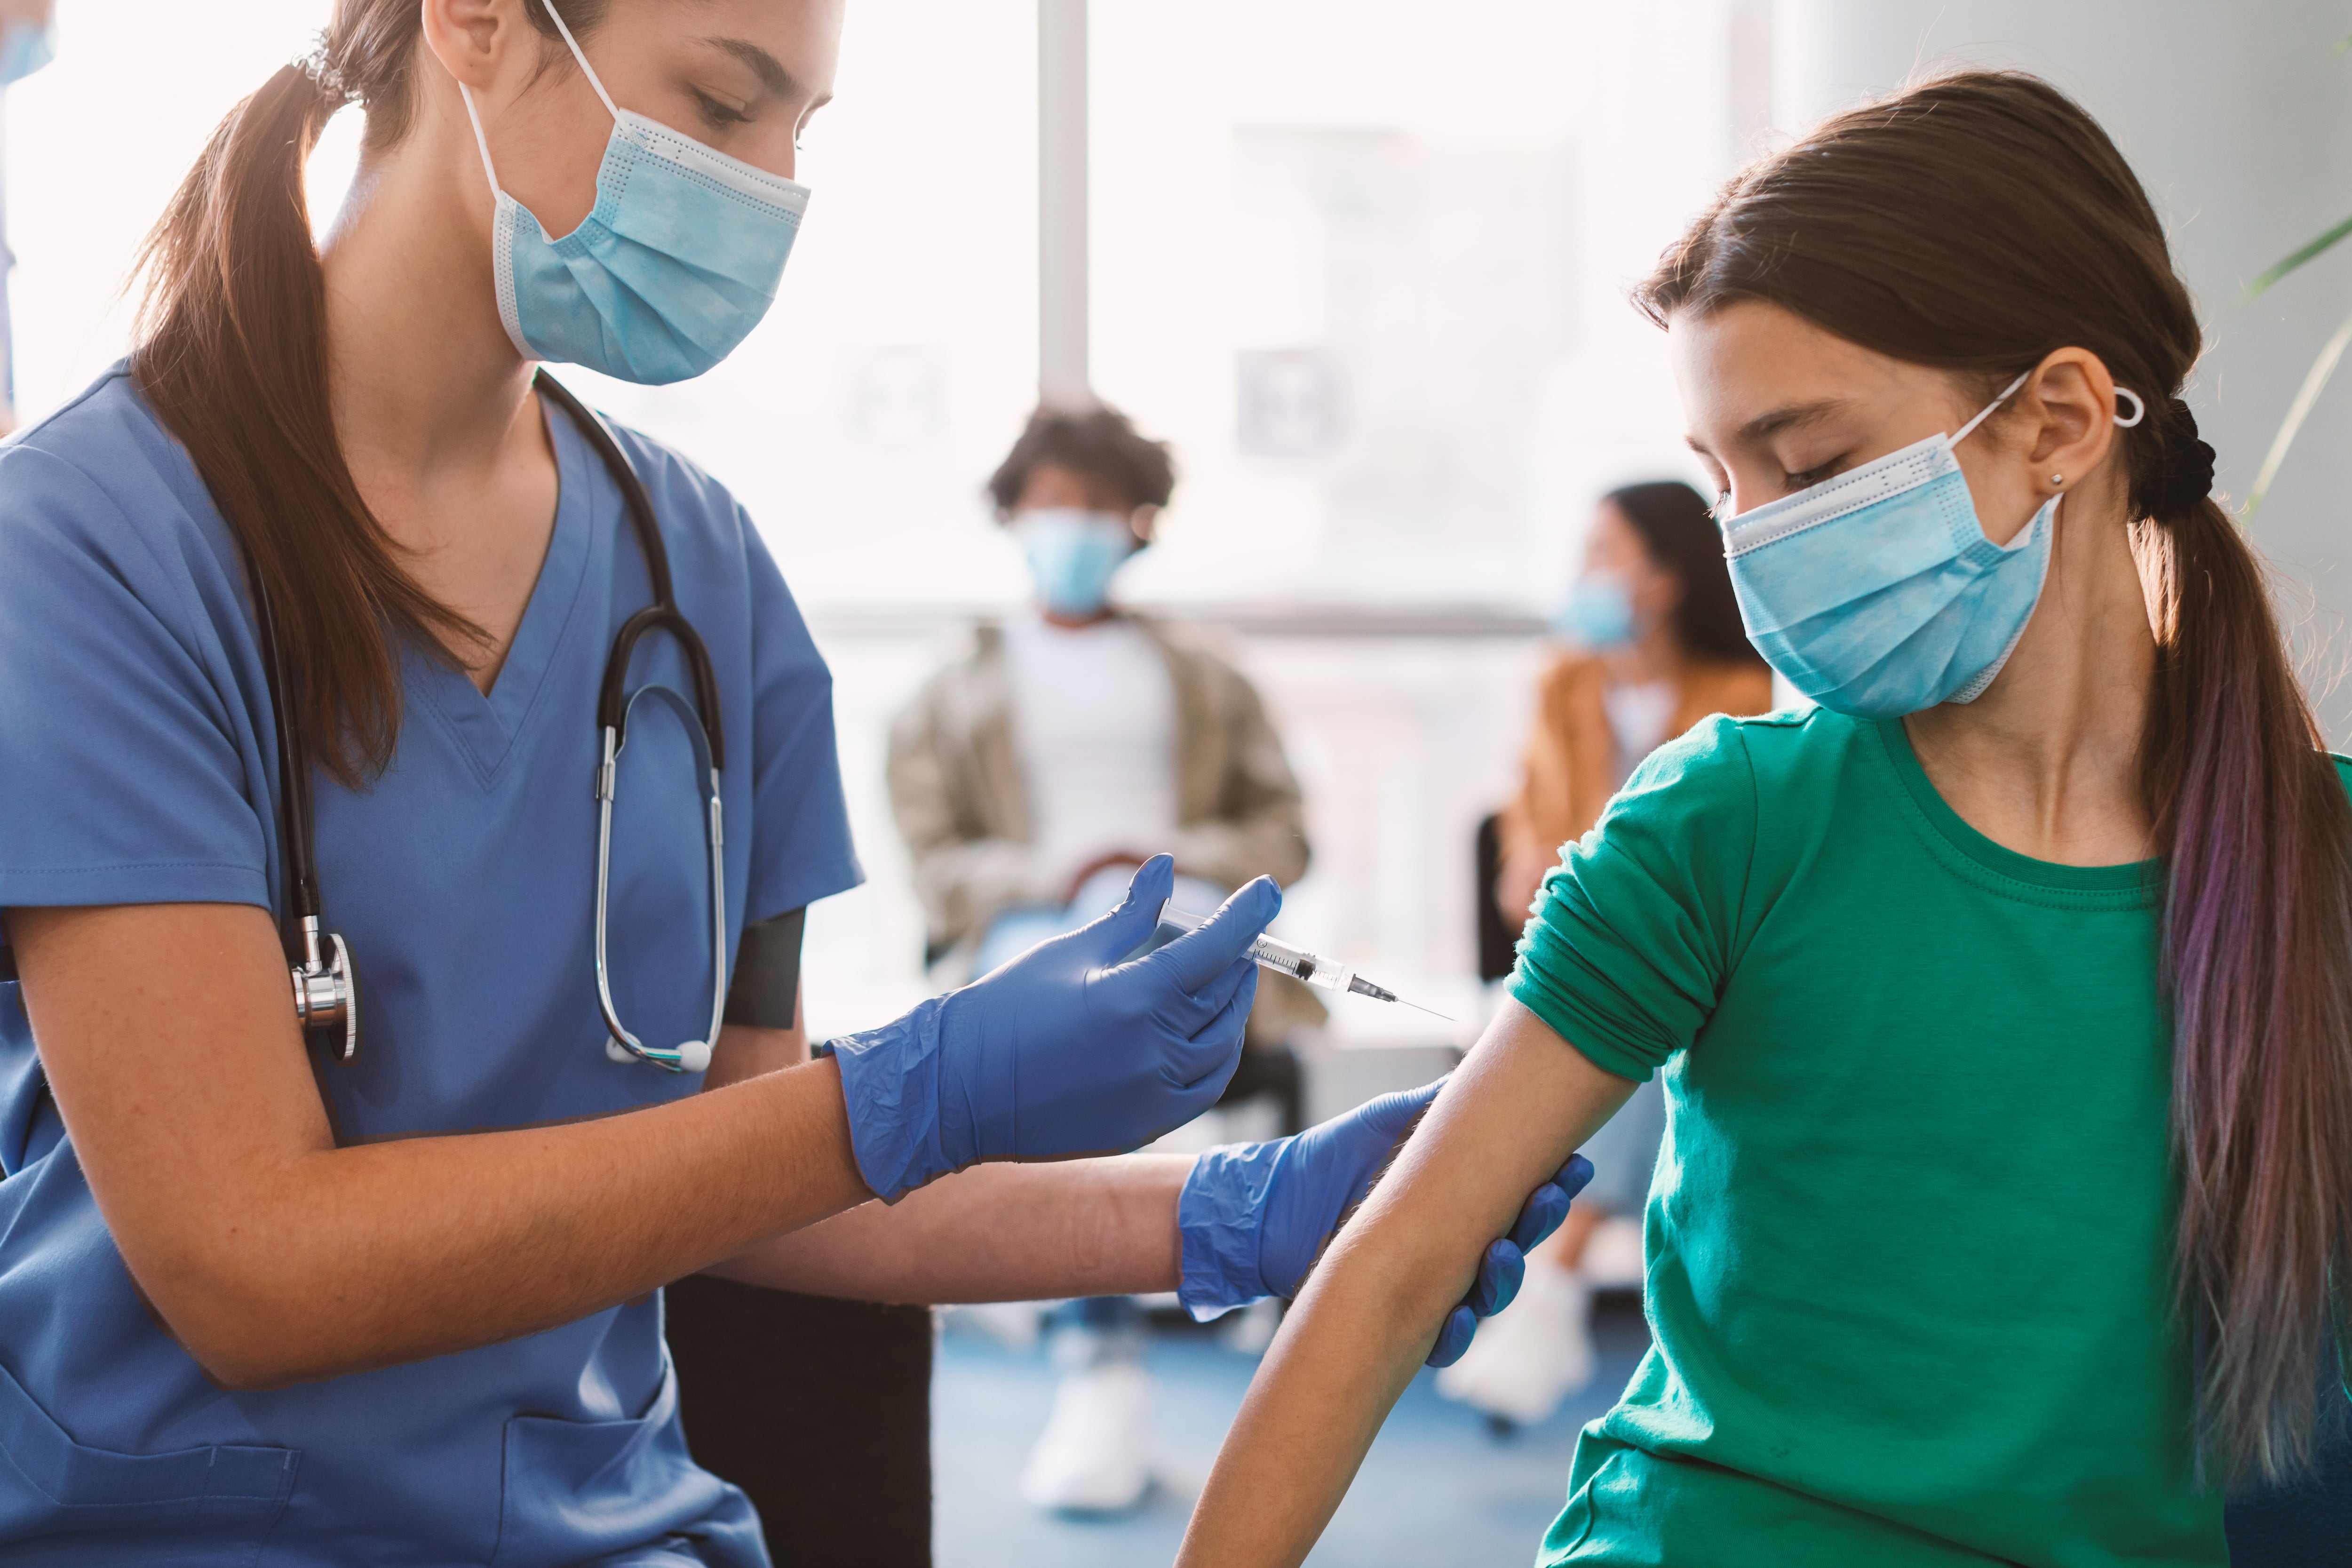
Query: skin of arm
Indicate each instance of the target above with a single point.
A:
(1511, 1114)
(274, 1257)
(994, 1233)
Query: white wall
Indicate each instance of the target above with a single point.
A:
(2237, 115)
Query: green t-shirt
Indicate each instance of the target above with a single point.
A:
(1910, 1241)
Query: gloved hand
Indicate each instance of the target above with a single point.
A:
(1071, 1049)
(1252, 1217)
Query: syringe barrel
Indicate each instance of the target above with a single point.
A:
(1276, 955)
(1301, 964)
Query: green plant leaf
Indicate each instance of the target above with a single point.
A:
(2298, 257)
(2313, 384)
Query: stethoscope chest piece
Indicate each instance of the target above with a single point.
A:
(326, 980)
(327, 990)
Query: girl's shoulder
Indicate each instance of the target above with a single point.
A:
(1769, 760)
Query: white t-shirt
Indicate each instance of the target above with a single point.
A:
(1638, 717)
(1094, 723)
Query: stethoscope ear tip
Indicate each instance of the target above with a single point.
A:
(694, 1056)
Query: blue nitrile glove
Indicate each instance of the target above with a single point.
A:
(1505, 1267)
(1252, 1217)
(1066, 1050)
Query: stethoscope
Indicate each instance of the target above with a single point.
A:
(326, 976)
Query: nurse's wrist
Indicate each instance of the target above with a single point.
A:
(890, 1082)
(1220, 1222)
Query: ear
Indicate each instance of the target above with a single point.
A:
(2066, 416)
(1144, 523)
(478, 41)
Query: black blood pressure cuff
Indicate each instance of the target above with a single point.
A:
(767, 988)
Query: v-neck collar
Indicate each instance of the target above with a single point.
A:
(486, 725)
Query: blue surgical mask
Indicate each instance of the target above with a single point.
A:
(1598, 614)
(1877, 594)
(674, 268)
(1073, 556)
(24, 47)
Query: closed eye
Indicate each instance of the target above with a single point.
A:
(718, 115)
(1811, 476)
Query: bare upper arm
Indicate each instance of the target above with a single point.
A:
(167, 1035)
(745, 1051)
(1508, 1119)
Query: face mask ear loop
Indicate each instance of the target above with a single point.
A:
(585, 69)
(481, 142)
(1986, 412)
(2139, 407)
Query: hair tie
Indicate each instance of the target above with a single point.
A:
(320, 66)
(2184, 464)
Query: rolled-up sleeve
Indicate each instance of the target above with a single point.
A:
(1630, 940)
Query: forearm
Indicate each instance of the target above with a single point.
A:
(1369, 1312)
(993, 1233)
(394, 1252)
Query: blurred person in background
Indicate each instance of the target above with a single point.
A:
(28, 34)
(1063, 746)
(1656, 646)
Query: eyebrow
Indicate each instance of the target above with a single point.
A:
(779, 82)
(1764, 426)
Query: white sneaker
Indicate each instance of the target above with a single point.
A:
(1532, 1354)
(1094, 1455)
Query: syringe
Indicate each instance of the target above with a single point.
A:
(1323, 974)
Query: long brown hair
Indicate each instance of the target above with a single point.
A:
(1976, 223)
(232, 358)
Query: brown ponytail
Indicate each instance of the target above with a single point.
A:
(233, 359)
(1977, 223)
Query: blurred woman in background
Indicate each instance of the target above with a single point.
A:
(1655, 646)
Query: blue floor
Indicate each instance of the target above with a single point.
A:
(1437, 1491)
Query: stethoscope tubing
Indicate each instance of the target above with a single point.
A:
(327, 990)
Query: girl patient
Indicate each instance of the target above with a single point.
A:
(2003, 1002)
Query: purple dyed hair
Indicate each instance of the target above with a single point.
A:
(1975, 224)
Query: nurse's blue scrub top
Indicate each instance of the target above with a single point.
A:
(138, 765)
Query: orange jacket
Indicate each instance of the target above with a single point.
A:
(1569, 776)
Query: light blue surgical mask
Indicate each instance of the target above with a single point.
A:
(24, 47)
(675, 266)
(1877, 592)
(1598, 614)
(1073, 556)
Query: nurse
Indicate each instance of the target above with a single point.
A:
(259, 1303)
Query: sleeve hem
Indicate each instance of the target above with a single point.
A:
(1580, 1031)
(155, 882)
(802, 888)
